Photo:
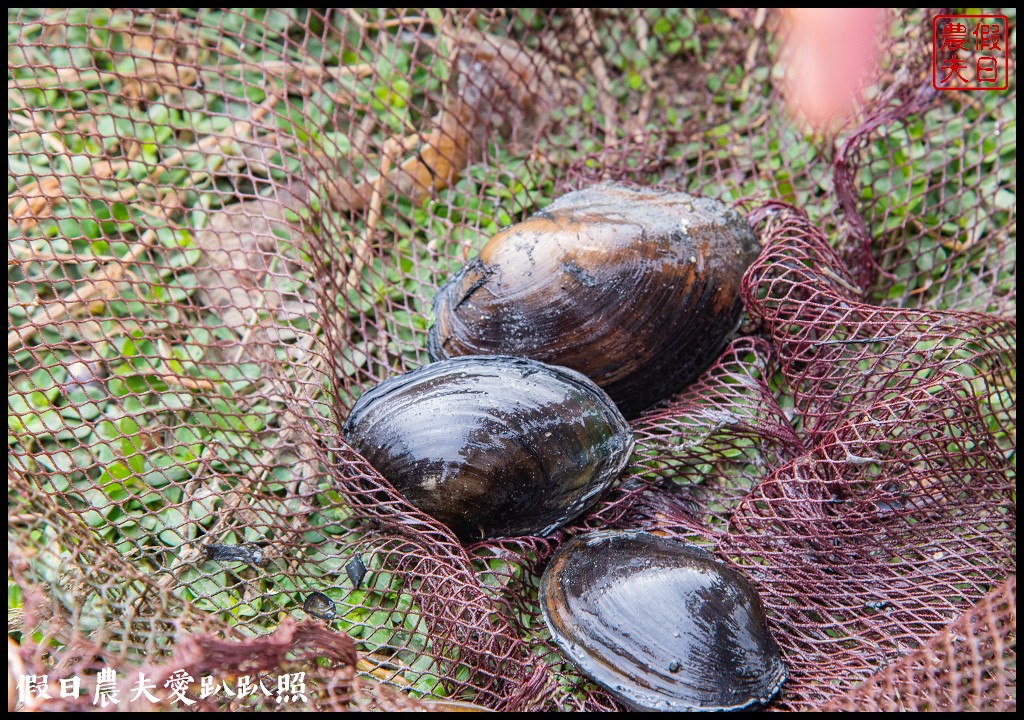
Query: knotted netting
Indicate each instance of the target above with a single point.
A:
(225, 225)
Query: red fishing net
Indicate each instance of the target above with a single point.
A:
(223, 226)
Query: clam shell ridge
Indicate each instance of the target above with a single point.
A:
(493, 446)
(660, 624)
(636, 289)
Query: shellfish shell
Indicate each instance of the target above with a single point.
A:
(660, 624)
(493, 446)
(638, 290)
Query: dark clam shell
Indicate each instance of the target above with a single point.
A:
(660, 624)
(638, 290)
(493, 446)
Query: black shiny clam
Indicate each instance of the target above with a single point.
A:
(493, 446)
(636, 289)
(661, 624)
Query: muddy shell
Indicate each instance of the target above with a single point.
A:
(493, 446)
(636, 289)
(661, 624)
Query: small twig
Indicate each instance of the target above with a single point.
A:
(186, 382)
(586, 35)
(362, 251)
(24, 518)
(646, 77)
(759, 121)
(19, 119)
(896, 691)
(362, 135)
(16, 142)
(29, 255)
(752, 50)
(34, 201)
(290, 70)
(347, 196)
(62, 76)
(836, 278)
(252, 321)
(365, 24)
(382, 672)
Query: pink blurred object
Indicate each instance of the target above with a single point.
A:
(829, 55)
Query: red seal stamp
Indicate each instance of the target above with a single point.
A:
(970, 52)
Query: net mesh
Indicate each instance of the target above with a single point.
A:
(223, 226)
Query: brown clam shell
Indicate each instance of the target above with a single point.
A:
(636, 289)
(661, 624)
(493, 446)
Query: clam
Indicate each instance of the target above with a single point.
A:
(661, 624)
(638, 290)
(493, 446)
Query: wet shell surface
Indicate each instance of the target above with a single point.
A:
(493, 446)
(661, 624)
(638, 290)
